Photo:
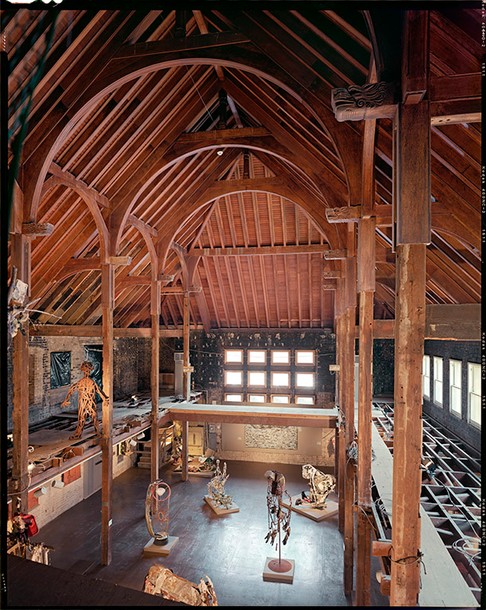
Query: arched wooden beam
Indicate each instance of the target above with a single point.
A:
(64, 179)
(122, 211)
(276, 186)
(147, 236)
(119, 71)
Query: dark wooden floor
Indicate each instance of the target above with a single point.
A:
(230, 549)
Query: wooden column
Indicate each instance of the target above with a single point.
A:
(155, 378)
(341, 444)
(347, 379)
(185, 452)
(186, 364)
(107, 296)
(412, 209)
(366, 281)
(20, 253)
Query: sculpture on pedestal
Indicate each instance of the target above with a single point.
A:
(157, 511)
(216, 487)
(320, 486)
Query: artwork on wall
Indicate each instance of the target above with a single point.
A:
(270, 437)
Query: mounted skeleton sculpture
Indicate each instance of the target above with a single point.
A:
(320, 486)
(278, 514)
(216, 487)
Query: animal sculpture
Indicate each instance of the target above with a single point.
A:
(320, 486)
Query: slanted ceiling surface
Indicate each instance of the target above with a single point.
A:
(206, 140)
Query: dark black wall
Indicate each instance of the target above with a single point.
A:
(207, 355)
(466, 351)
(383, 367)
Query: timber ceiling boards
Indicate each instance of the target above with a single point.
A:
(130, 113)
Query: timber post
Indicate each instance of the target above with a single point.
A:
(154, 385)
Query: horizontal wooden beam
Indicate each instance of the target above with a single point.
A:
(220, 136)
(260, 250)
(121, 261)
(59, 330)
(335, 255)
(345, 213)
(331, 274)
(37, 229)
(442, 322)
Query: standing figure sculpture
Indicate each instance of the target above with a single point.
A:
(87, 389)
(278, 514)
(320, 486)
(157, 503)
(216, 487)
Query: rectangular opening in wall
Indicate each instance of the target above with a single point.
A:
(303, 357)
(455, 387)
(233, 397)
(280, 399)
(257, 378)
(257, 356)
(280, 356)
(233, 378)
(426, 377)
(304, 400)
(233, 356)
(438, 378)
(257, 398)
(304, 380)
(280, 380)
(474, 393)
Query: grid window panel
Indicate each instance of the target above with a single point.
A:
(474, 393)
(455, 387)
(304, 380)
(257, 356)
(257, 378)
(233, 378)
(280, 379)
(233, 356)
(257, 398)
(304, 357)
(438, 379)
(304, 400)
(233, 397)
(426, 377)
(280, 356)
(280, 399)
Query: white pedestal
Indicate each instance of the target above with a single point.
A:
(221, 510)
(316, 514)
(272, 566)
(157, 549)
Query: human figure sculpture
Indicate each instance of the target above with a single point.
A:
(320, 486)
(216, 487)
(278, 514)
(87, 389)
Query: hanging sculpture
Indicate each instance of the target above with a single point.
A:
(87, 389)
(278, 514)
(157, 503)
(320, 486)
(163, 582)
(216, 487)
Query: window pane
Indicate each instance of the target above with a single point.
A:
(438, 380)
(233, 377)
(426, 377)
(455, 386)
(257, 356)
(281, 399)
(280, 379)
(474, 393)
(233, 355)
(304, 400)
(256, 398)
(256, 378)
(304, 357)
(280, 357)
(233, 397)
(304, 380)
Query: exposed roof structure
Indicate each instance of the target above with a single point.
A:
(201, 148)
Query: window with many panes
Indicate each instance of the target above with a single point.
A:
(455, 387)
(275, 376)
(426, 376)
(438, 380)
(474, 393)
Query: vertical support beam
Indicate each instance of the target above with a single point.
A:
(185, 450)
(407, 437)
(366, 275)
(155, 376)
(20, 253)
(186, 365)
(341, 446)
(347, 379)
(107, 298)
(412, 202)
